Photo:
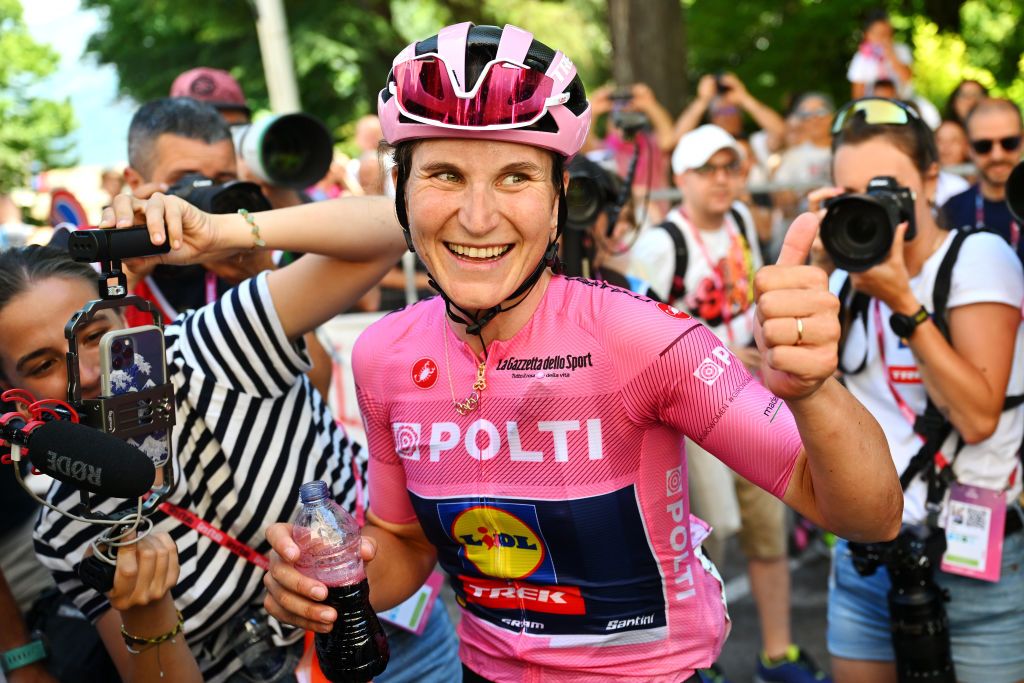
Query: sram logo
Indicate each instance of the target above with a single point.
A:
(483, 440)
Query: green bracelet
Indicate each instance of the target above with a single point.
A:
(257, 241)
(136, 641)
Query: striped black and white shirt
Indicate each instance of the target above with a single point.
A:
(250, 430)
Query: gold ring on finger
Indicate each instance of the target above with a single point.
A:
(799, 331)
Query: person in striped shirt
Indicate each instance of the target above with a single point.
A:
(249, 430)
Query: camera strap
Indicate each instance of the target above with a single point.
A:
(737, 236)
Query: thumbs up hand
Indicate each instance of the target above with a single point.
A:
(798, 318)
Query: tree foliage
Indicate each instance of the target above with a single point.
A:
(343, 49)
(31, 127)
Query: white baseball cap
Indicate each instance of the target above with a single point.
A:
(699, 145)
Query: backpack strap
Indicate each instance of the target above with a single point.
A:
(851, 311)
(682, 258)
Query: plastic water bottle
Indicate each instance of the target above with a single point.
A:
(356, 649)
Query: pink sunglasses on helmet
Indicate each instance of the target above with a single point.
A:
(507, 95)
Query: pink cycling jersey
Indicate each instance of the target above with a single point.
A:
(559, 506)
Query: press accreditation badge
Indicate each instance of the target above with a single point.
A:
(974, 532)
(412, 614)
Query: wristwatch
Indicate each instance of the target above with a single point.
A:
(30, 653)
(904, 325)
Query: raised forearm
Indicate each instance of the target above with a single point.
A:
(350, 228)
(689, 119)
(766, 117)
(847, 481)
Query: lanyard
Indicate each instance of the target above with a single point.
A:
(163, 303)
(716, 271)
(979, 220)
(904, 408)
(221, 538)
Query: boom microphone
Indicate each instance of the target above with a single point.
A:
(89, 459)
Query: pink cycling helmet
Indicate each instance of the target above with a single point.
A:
(485, 83)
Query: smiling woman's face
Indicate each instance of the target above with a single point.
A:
(481, 214)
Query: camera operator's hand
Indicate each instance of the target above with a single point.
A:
(707, 88)
(643, 98)
(889, 281)
(736, 93)
(146, 572)
(192, 233)
(798, 318)
(293, 597)
(601, 100)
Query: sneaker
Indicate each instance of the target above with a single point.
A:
(712, 675)
(798, 667)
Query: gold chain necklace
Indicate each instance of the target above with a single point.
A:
(473, 400)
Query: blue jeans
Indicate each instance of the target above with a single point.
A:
(431, 657)
(986, 619)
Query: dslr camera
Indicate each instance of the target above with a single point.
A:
(202, 193)
(858, 229)
(629, 121)
(917, 612)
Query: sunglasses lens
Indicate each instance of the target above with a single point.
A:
(1011, 143)
(874, 112)
(507, 95)
(982, 146)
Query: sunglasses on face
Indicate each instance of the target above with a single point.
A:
(814, 113)
(1009, 144)
(874, 111)
(709, 170)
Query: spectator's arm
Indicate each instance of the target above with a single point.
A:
(763, 115)
(661, 121)
(691, 116)
(15, 634)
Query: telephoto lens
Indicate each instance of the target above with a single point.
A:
(858, 229)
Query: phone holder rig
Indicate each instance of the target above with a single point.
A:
(128, 415)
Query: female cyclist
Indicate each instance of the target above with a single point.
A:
(908, 345)
(526, 429)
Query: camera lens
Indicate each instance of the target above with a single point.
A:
(857, 232)
(117, 346)
(583, 202)
(117, 362)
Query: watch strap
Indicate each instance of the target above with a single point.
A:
(24, 655)
(904, 325)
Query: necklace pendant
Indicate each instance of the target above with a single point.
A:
(469, 405)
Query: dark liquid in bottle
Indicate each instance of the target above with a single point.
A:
(356, 649)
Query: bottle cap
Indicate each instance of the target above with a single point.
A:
(312, 491)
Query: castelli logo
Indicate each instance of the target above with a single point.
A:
(424, 373)
(672, 311)
(203, 85)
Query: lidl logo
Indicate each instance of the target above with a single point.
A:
(500, 540)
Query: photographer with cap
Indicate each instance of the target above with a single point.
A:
(702, 260)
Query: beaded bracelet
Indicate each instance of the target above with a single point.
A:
(137, 641)
(257, 241)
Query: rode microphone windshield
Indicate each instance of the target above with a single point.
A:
(90, 460)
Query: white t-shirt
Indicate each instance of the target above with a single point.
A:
(869, 67)
(949, 184)
(653, 259)
(805, 163)
(986, 270)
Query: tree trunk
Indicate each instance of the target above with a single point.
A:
(649, 46)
